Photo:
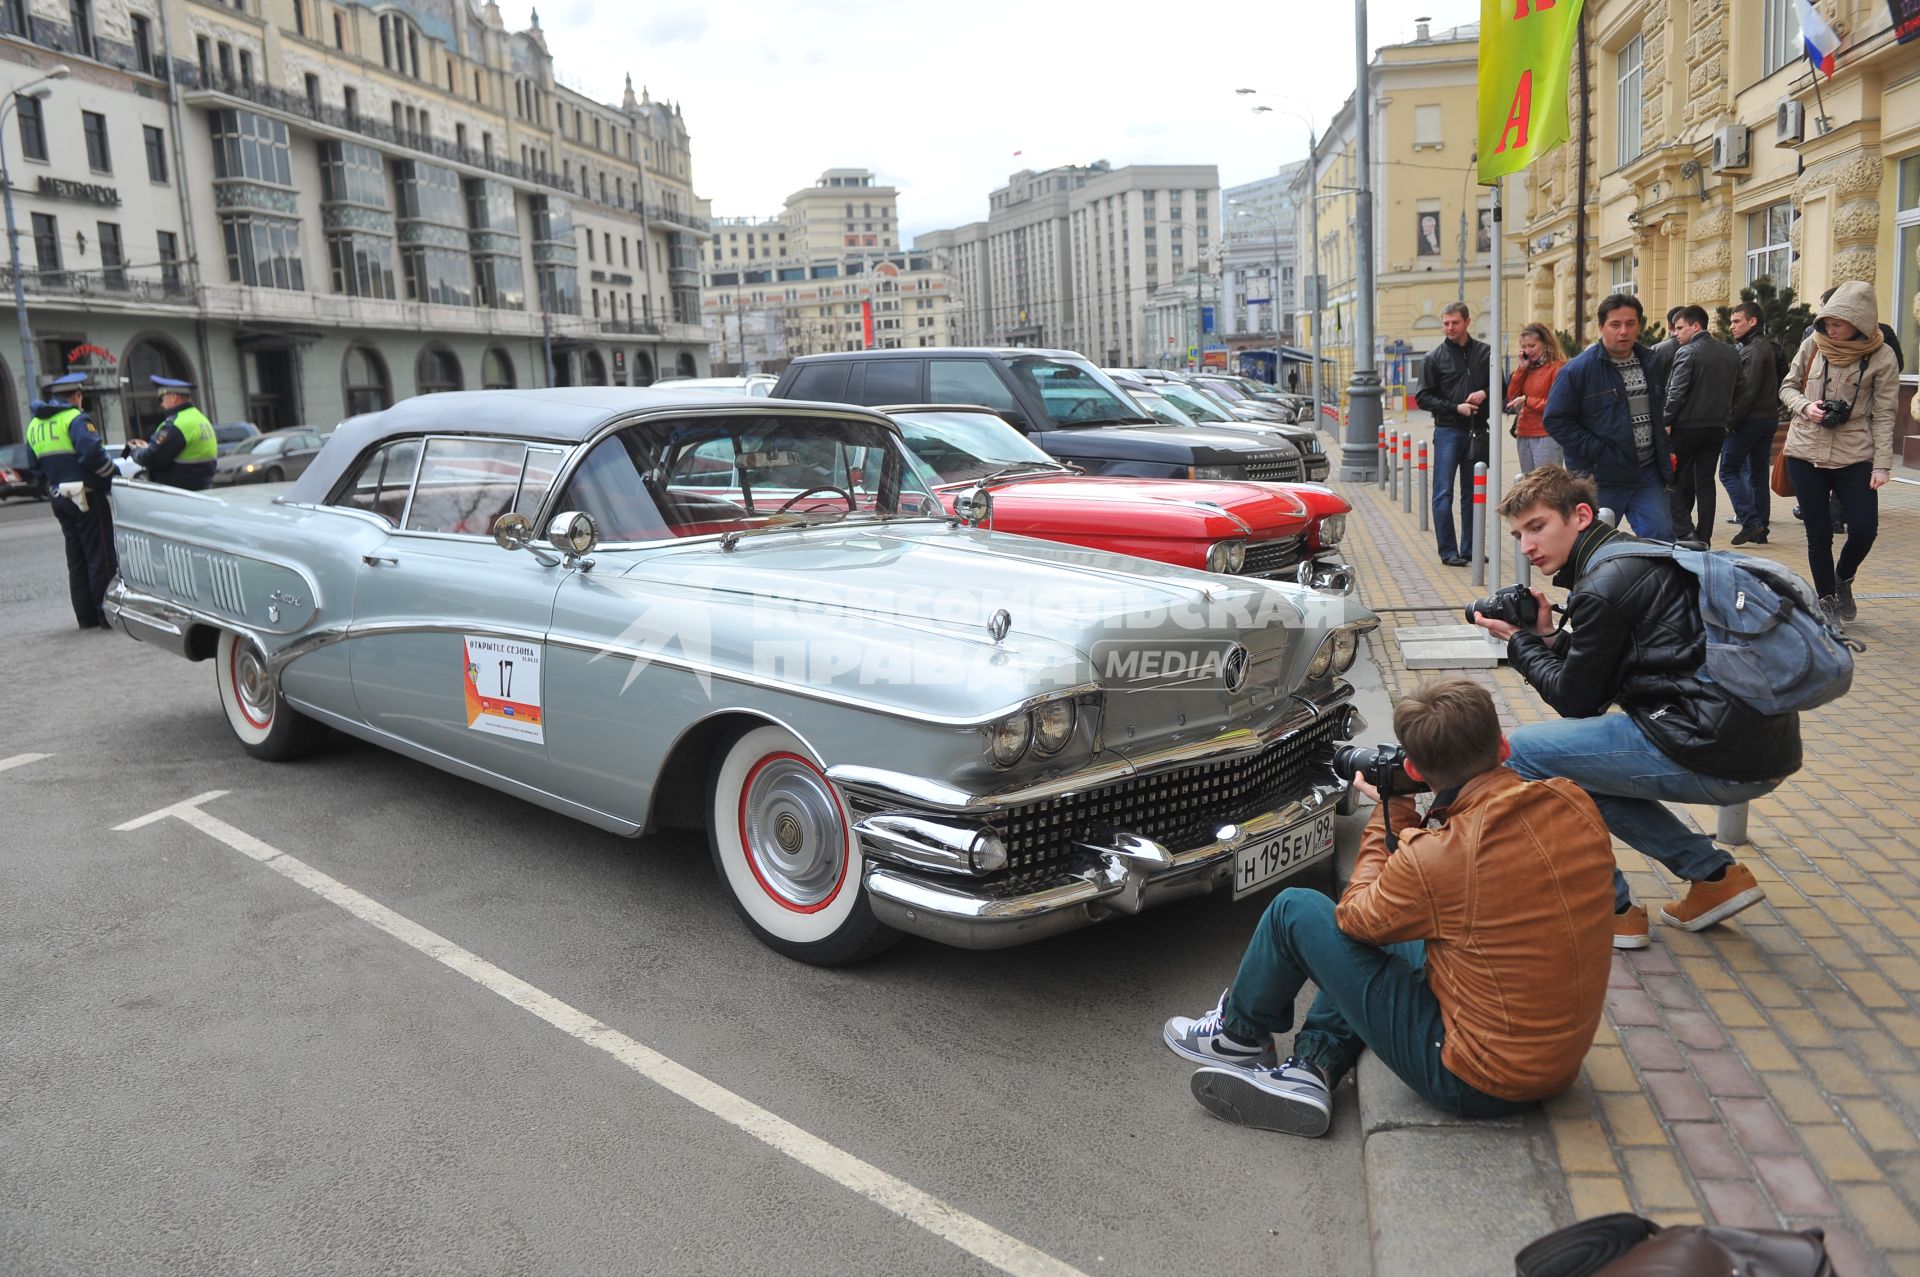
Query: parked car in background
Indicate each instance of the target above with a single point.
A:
(1065, 405)
(888, 720)
(231, 434)
(757, 384)
(1255, 529)
(19, 477)
(269, 458)
(1203, 408)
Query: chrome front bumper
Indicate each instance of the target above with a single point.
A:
(1122, 876)
(1327, 575)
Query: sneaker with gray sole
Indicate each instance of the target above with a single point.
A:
(1204, 1040)
(1292, 1098)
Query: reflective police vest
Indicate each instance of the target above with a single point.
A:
(198, 432)
(48, 435)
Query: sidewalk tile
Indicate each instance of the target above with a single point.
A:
(1678, 1097)
(1771, 991)
(1696, 1029)
(1881, 1127)
(1652, 1050)
(1583, 1147)
(1851, 1256)
(1877, 1051)
(1630, 1006)
(1708, 975)
(1631, 1121)
(1840, 1156)
(1799, 1097)
(1739, 1204)
(1655, 1178)
(1762, 1049)
(1904, 972)
(1608, 1070)
(1795, 1186)
(1757, 1127)
(1885, 1220)
(1802, 1028)
(1837, 1074)
(1597, 1195)
(1709, 1151)
(1905, 1028)
(1723, 1073)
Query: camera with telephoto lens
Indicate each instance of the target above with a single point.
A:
(1838, 413)
(1382, 766)
(1513, 604)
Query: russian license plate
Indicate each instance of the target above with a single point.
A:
(1263, 861)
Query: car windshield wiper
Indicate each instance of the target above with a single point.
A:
(1023, 467)
(1109, 421)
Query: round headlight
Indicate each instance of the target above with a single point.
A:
(1226, 556)
(1346, 647)
(1009, 739)
(1322, 659)
(1053, 726)
(1332, 529)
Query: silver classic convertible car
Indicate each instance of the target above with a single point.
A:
(644, 610)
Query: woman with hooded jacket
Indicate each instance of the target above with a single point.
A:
(1845, 453)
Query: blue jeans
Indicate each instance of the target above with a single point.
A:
(1642, 503)
(1452, 459)
(1746, 471)
(1628, 778)
(1368, 998)
(1852, 486)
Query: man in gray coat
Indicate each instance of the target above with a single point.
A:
(1700, 395)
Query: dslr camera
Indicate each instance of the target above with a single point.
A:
(1838, 411)
(1382, 766)
(1513, 604)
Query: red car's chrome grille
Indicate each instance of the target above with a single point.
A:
(1277, 557)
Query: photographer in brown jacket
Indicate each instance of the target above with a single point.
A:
(1473, 959)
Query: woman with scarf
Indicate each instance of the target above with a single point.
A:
(1844, 452)
(1540, 362)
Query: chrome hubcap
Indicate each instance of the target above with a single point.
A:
(251, 683)
(793, 832)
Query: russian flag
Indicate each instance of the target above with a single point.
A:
(1821, 40)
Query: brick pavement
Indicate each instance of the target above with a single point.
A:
(1760, 1073)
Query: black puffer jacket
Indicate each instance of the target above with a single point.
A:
(1634, 636)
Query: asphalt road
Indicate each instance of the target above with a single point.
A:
(209, 1068)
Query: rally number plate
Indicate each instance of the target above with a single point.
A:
(1263, 861)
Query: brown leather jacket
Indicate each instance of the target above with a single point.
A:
(1513, 895)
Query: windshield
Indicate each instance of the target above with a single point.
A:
(1226, 390)
(1074, 393)
(714, 475)
(963, 447)
(1195, 403)
(1160, 410)
(261, 445)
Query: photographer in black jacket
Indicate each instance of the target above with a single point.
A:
(1635, 637)
(1453, 387)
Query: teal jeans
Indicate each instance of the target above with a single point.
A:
(1369, 998)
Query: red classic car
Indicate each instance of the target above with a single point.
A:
(1279, 531)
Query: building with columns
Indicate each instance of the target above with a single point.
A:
(313, 209)
(1711, 160)
(1256, 261)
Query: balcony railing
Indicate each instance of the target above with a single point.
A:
(171, 285)
(631, 327)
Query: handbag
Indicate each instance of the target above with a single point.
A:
(1782, 483)
(1626, 1245)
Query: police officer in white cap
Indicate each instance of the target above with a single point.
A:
(67, 451)
(182, 451)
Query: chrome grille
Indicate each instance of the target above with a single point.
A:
(1278, 557)
(1179, 809)
(1285, 470)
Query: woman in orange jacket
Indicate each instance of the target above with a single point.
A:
(1540, 363)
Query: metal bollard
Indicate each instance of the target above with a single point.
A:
(1426, 506)
(1381, 449)
(1522, 566)
(1406, 466)
(1732, 828)
(1478, 551)
(1393, 464)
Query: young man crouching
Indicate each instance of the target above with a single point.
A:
(1473, 959)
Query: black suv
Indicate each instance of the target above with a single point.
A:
(1054, 397)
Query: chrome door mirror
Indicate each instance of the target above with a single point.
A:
(975, 508)
(574, 533)
(513, 531)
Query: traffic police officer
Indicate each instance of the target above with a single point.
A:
(68, 452)
(182, 450)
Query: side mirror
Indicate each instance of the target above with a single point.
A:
(513, 531)
(975, 508)
(573, 532)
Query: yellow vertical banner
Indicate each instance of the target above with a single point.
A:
(1526, 56)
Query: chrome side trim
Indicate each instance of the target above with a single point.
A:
(918, 842)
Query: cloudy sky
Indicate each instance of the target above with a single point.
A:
(937, 98)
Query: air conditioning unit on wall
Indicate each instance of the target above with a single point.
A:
(1730, 147)
(1789, 122)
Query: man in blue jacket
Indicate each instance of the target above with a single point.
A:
(68, 452)
(1606, 412)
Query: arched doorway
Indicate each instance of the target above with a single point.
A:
(683, 366)
(437, 371)
(563, 366)
(364, 382)
(593, 369)
(148, 357)
(642, 369)
(496, 370)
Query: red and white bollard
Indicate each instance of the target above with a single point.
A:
(1478, 550)
(1406, 469)
(1426, 503)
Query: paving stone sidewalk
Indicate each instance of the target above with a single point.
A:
(1761, 1073)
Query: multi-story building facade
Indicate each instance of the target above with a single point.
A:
(1711, 161)
(1432, 224)
(1257, 260)
(312, 209)
(800, 283)
(1071, 256)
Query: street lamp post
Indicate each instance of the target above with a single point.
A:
(38, 89)
(1313, 232)
(1360, 449)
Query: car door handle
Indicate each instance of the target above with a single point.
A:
(375, 560)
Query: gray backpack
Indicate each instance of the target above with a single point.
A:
(1767, 642)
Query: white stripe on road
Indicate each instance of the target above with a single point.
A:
(985, 1242)
(20, 760)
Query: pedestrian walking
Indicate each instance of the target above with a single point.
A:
(1668, 346)
(1453, 387)
(1293, 380)
(1843, 392)
(1747, 456)
(67, 451)
(1605, 412)
(1540, 362)
(1700, 394)
(182, 451)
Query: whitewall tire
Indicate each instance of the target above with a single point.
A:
(784, 846)
(267, 726)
